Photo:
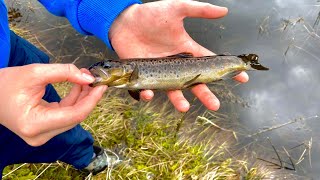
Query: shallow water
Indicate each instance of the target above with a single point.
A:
(283, 103)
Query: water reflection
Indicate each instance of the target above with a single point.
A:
(284, 102)
(281, 33)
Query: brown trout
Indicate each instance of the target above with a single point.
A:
(170, 73)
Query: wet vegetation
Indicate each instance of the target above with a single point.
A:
(156, 142)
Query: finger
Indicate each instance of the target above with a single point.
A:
(243, 77)
(178, 100)
(146, 95)
(85, 91)
(71, 115)
(85, 88)
(84, 70)
(196, 49)
(53, 73)
(72, 97)
(197, 9)
(207, 98)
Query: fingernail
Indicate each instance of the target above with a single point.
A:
(223, 8)
(215, 105)
(88, 77)
(184, 106)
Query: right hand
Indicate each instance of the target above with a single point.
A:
(24, 112)
(156, 29)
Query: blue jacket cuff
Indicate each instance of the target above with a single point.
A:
(96, 16)
(65, 8)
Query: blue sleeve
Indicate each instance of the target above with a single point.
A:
(90, 17)
(4, 36)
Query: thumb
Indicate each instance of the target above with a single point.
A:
(54, 73)
(197, 9)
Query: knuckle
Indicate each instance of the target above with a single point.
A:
(80, 118)
(71, 68)
(182, 5)
(35, 69)
(206, 10)
(27, 130)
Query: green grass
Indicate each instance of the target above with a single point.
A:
(145, 136)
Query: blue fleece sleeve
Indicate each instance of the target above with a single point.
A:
(4, 37)
(90, 17)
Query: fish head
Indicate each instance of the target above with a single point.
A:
(105, 72)
(252, 60)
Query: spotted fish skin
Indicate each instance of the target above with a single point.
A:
(169, 73)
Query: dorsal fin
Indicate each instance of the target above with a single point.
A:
(182, 55)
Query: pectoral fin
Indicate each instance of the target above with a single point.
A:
(135, 94)
(191, 82)
(182, 55)
(134, 74)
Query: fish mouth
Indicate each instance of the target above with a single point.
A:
(99, 74)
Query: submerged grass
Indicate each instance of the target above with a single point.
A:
(143, 134)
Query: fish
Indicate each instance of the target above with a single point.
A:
(176, 72)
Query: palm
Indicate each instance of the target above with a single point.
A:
(156, 30)
(160, 33)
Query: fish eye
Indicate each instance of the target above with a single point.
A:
(106, 65)
(254, 57)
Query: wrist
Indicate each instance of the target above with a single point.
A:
(96, 17)
(122, 22)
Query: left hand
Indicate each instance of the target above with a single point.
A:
(156, 30)
(24, 112)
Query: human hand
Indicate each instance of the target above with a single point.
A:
(156, 30)
(24, 112)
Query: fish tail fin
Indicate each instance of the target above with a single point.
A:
(252, 60)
